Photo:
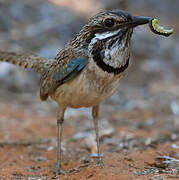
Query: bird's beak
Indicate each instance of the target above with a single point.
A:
(139, 20)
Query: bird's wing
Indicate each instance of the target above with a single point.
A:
(62, 73)
(72, 69)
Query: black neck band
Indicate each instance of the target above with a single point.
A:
(108, 68)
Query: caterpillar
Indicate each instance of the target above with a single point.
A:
(157, 29)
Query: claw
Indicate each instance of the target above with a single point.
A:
(59, 171)
(100, 162)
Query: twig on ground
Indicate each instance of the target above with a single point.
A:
(25, 142)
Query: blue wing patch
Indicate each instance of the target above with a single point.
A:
(73, 68)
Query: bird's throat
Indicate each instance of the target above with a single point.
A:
(111, 54)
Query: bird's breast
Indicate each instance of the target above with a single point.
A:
(89, 88)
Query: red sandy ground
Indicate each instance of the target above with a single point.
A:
(37, 161)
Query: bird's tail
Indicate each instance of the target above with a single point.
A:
(34, 62)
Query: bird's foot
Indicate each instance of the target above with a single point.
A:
(59, 171)
(100, 162)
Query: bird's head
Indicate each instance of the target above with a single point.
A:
(106, 37)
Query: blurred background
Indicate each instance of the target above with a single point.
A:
(43, 27)
(148, 98)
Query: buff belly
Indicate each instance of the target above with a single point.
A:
(88, 89)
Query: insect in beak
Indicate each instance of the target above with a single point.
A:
(153, 24)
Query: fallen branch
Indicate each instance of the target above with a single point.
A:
(25, 142)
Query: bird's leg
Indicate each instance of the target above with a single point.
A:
(95, 120)
(60, 119)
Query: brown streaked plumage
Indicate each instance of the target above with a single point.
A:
(38, 64)
(88, 69)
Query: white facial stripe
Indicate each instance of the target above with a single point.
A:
(105, 35)
(101, 36)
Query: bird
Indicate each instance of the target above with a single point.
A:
(87, 70)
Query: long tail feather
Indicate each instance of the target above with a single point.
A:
(38, 64)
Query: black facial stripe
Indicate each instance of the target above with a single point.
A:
(90, 37)
(98, 55)
(110, 44)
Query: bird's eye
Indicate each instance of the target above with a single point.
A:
(109, 22)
